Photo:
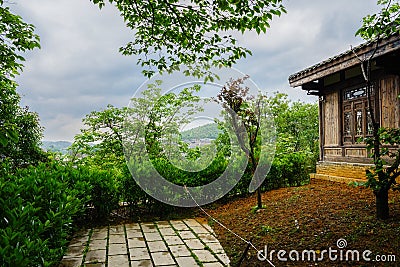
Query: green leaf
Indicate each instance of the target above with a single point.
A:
(167, 34)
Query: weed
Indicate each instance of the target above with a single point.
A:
(294, 198)
(301, 188)
(266, 229)
(256, 208)
(211, 222)
(356, 184)
(196, 259)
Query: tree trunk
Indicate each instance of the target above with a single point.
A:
(382, 204)
(259, 201)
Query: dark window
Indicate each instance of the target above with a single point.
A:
(355, 93)
(356, 120)
(370, 126)
(359, 123)
(347, 123)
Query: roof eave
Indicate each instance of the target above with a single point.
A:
(344, 61)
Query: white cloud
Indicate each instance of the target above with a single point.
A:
(61, 127)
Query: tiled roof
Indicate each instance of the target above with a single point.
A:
(329, 60)
(338, 58)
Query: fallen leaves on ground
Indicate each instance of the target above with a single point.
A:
(310, 217)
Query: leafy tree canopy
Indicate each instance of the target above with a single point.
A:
(382, 24)
(16, 36)
(195, 33)
(20, 132)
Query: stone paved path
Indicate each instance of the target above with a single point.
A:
(186, 243)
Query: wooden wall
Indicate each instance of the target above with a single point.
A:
(331, 119)
(332, 147)
(389, 101)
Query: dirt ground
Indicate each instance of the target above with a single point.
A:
(312, 217)
(316, 217)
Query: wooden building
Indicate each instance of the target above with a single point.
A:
(344, 117)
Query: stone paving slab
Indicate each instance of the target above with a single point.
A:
(184, 243)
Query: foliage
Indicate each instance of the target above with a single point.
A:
(26, 149)
(100, 144)
(296, 144)
(386, 165)
(382, 177)
(99, 147)
(158, 115)
(101, 141)
(166, 114)
(20, 132)
(16, 36)
(291, 169)
(21, 142)
(38, 206)
(192, 179)
(104, 189)
(297, 135)
(383, 24)
(295, 121)
(195, 33)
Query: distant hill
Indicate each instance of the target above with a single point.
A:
(56, 146)
(208, 131)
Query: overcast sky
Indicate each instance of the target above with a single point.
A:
(79, 69)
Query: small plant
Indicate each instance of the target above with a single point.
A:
(294, 198)
(254, 209)
(297, 189)
(266, 229)
(356, 184)
(211, 222)
(196, 259)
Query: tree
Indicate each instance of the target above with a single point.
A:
(102, 138)
(20, 132)
(296, 121)
(195, 33)
(245, 113)
(108, 132)
(383, 175)
(383, 24)
(116, 139)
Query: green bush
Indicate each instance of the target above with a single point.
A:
(104, 193)
(37, 208)
(39, 205)
(130, 191)
(290, 169)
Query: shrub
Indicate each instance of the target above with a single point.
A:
(104, 193)
(290, 169)
(130, 191)
(38, 206)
